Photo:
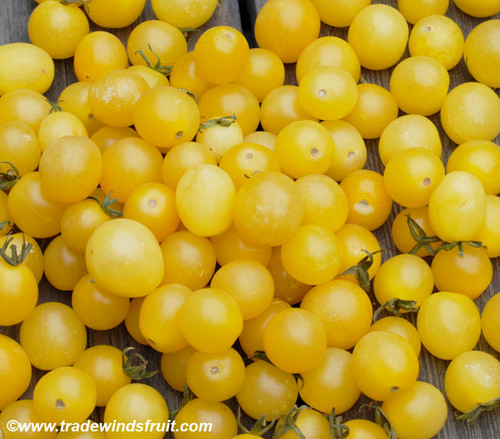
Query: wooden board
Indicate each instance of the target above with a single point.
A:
(13, 27)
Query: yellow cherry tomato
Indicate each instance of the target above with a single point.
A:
(25, 66)
(490, 322)
(414, 10)
(114, 13)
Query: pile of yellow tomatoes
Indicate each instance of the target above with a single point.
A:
(226, 216)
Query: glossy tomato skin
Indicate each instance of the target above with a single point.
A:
(53, 336)
(448, 324)
(182, 13)
(57, 28)
(33, 211)
(472, 378)
(490, 322)
(138, 402)
(65, 394)
(115, 14)
(267, 391)
(331, 384)
(25, 66)
(287, 27)
(124, 258)
(15, 373)
(384, 364)
(419, 411)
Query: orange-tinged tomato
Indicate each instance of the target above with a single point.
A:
(369, 203)
(401, 232)
(166, 128)
(384, 364)
(184, 13)
(419, 411)
(79, 221)
(349, 153)
(249, 283)
(365, 428)
(399, 326)
(374, 109)
(114, 13)
(229, 246)
(286, 287)
(97, 308)
(244, 160)
(280, 107)
(355, 241)
(185, 75)
(304, 147)
(267, 391)
(210, 320)
(331, 51)
(153, 204)
(263, 72)
(229, 99)
(127, 164)
(330, 385)
(104, 365)
(312, 255)
(250, 338)
(159, 317)
(287, 27)
(188, 259)
(344, 309)
(173, 367)
(220, 54)
(467, 270)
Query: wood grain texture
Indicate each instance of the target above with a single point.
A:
(13, 27)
